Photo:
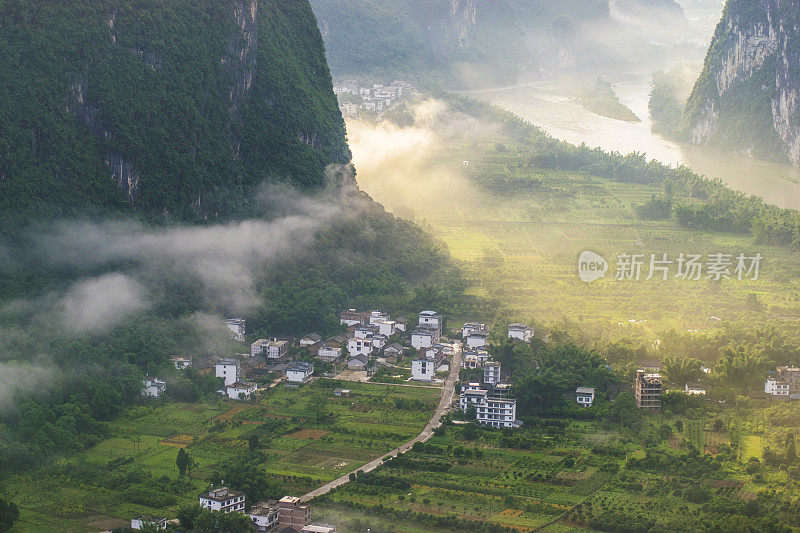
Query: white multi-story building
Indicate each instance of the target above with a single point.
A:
(431, 319)
(777, 388)
(386, 327)
(277, 349)
(424, 338)
(228, 369)
(494, 406)
(153, 387)
(329, 353)
(235, 390)
(477, 339)
(423, 369)
(237, 327)
(223, 499)
(357, 346)
(379, 341)
(491, 372)
(469, 327)
(585, 396)
(364, 331)
(264, 516)
(299, 372)
(522, 332)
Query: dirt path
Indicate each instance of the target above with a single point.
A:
(448, 392)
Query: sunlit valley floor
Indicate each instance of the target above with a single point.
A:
(522, 247)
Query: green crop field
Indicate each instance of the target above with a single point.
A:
(144, 442)
(520, 246)
(566, 476)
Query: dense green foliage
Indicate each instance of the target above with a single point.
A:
(188, 111)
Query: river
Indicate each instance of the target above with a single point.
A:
(544, 103)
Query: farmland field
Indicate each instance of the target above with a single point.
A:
(93, 487)
(567, 476)
(520, 246)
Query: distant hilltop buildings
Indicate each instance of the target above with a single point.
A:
(355, 98)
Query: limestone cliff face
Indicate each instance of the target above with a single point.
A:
(455, 29)
(172, 108)
(748, 95)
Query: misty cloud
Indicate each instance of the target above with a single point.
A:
(93, 305)
(224, 260)
(15, 378)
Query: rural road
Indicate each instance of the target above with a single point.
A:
(448, 392)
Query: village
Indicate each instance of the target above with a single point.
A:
(356, 99)
(374, 344)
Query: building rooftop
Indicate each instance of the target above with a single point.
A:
(584, 390)
(428, 313)
(518, 325)
(227, 362)
(301, 366)
(221, 494)
(263, 508)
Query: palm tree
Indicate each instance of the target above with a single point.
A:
(681, 370)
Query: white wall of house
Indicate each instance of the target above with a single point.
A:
(428, 320)
(229, 372)
(423, 370)
(329, 353)
(421, 340)
(386, 327)
(227, 506)
(585, 400)
(297, 376)
(521, 332)
(475, 340)
(776, 388)
(234, 392)
(359, 347)
(491, 373)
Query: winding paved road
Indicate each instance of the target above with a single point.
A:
(448, 391)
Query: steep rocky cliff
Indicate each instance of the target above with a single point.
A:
(747, 97)
(171, 108)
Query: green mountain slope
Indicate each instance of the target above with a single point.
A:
(174, 109)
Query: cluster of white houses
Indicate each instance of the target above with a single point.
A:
(354, 98)
(492, 400)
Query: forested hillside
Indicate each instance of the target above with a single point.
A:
(173, 109)
(165, 164)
